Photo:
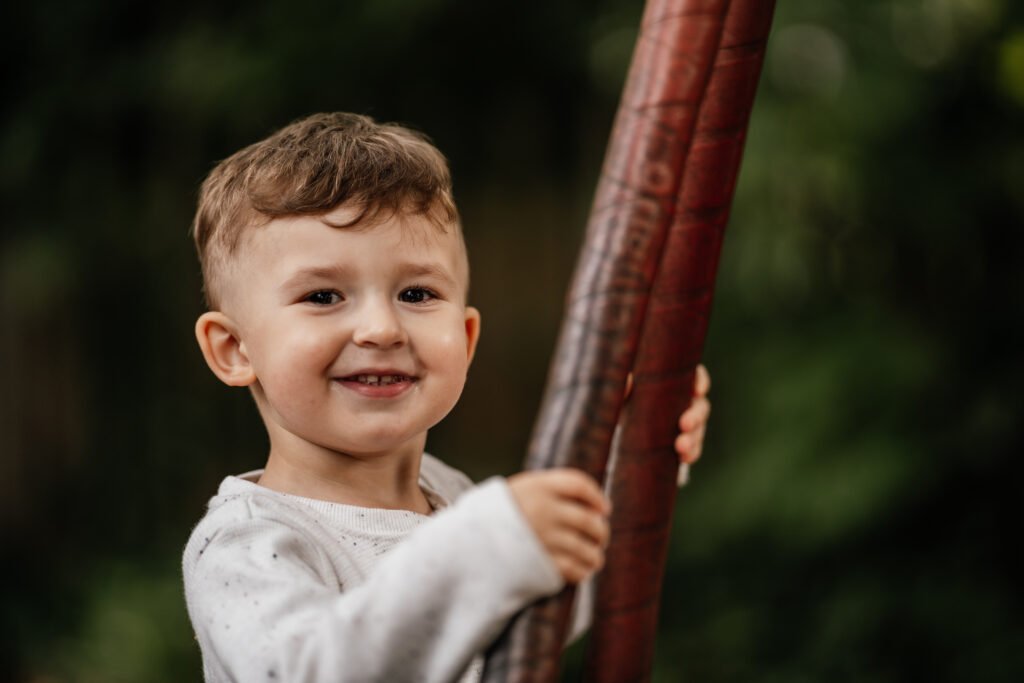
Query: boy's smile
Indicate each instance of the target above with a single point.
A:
(376, 383)
(357, 340)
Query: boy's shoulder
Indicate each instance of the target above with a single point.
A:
(241, 512)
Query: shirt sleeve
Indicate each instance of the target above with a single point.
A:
(265, 607)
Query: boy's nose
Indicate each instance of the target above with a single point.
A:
(379, 326)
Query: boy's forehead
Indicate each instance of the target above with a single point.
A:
(272, 243)
(408, 228)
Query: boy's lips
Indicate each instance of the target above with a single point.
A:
(378, 382)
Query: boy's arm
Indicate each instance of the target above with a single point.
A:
(262, 602)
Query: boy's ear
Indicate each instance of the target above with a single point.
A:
(472, 331)
(224, 349)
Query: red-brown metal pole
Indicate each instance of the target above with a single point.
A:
(643, 483)
(633, 208)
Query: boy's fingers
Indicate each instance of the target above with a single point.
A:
(579, 549)
(696, 415)
(586, 522)
(701, 381)
(684, 442)
(697, 446)
(573, 483)
(571, 570)
(690, 445)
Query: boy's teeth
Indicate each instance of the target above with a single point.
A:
(378, 380)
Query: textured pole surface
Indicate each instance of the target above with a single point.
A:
(626, 233)
(643, 482)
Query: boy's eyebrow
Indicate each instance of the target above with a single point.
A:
(406, 268)
(316, 273)
(413, 269)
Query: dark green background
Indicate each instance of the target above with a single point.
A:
(857, 515)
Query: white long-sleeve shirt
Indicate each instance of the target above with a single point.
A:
(284, 588)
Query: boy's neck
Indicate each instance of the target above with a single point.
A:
(389, 481)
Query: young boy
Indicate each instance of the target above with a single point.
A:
(336, 277)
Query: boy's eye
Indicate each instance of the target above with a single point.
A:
(324, 298)
(416, 295)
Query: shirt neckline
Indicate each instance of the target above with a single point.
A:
(248, 481)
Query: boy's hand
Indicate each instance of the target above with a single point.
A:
(568, 511)
(569, 514)
(694, 421)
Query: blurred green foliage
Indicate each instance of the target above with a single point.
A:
(857, 515)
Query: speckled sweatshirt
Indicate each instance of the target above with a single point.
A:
(283, 588)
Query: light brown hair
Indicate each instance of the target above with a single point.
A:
(311, 167)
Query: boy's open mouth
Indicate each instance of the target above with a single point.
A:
(378, 380)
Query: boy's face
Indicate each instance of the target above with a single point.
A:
(358, 339)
